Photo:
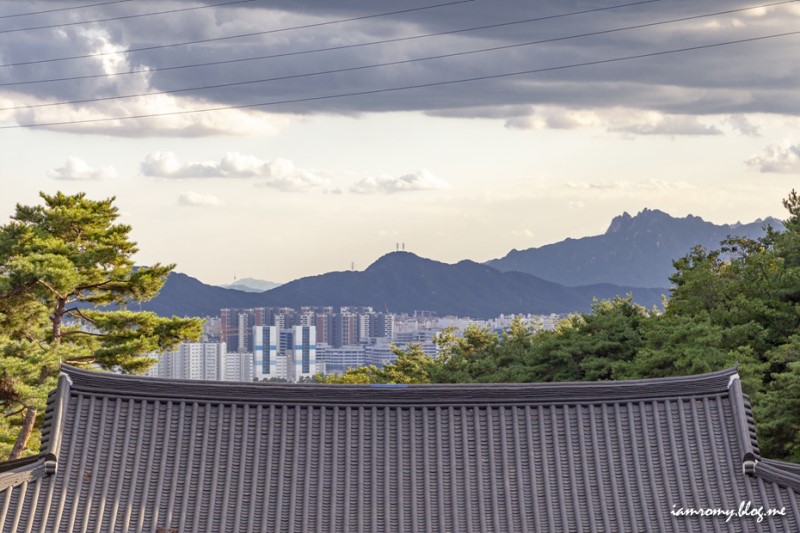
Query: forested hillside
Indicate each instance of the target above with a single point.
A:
(743, 310)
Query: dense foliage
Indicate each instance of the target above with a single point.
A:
(410, 366)
(736, 306)
(58, 262)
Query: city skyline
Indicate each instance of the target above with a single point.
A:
(459, 170)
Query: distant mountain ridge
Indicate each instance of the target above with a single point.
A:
(634, 251)
(251, 285)
(401, 282)
(634, 255)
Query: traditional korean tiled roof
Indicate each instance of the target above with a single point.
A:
(123, 453)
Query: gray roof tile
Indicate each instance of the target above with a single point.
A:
(138, 454)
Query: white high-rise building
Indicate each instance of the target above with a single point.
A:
(282, 368)
(339, 360)
(152, 372)
(194, 360)
(265, 352)
(238, 367)
(303, 352)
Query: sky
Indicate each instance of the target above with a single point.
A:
(293, 138)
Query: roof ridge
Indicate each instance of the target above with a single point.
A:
(483, 393)
(749, 457)
(785, 474)
(54, 424)
(18, 471)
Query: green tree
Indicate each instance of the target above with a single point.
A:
(467, 358)
(739, 305)
(362, 375)
(583, 347)
(777, 408)
(66, 278)
(411, 365)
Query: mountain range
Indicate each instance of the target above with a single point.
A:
(633, 256)
(634, 250)
(401, 282)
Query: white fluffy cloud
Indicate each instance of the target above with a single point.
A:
(421, 180)
(196, 199)
(162, 115)
(282, 174)
(77, 169)
(778, 157)
(623, 120)
(278, 173)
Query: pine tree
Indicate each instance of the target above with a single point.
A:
(66, 278)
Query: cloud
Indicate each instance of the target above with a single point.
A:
(525, 122)
(167, 165)
(756, 78)
(158, 114)
(622, 185)
(741, 124)
(668, 125)
(490, 111)
(622, 120)
(421, 180)
(77, 169)
(161, 115)
(778, 157)
(195, 199)
(279, 173)
(555, 118)
(522, 233)
(282, 174)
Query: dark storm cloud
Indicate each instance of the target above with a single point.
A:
(741, 78)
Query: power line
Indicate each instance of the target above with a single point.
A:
(124, 17)
(238, 36)
(332, 48)
(394, 63)
(62, 9)
(409, 87)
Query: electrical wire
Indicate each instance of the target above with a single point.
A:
(228, 37)
(63, 9)
(333, 48)
(408, 87)
(125, 17)
(393, 63)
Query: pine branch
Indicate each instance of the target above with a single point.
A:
(79, 332)
(50, 287)
(76, 311)
(98, 285)
(20, 289)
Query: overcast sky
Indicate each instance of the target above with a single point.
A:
(463, 129)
